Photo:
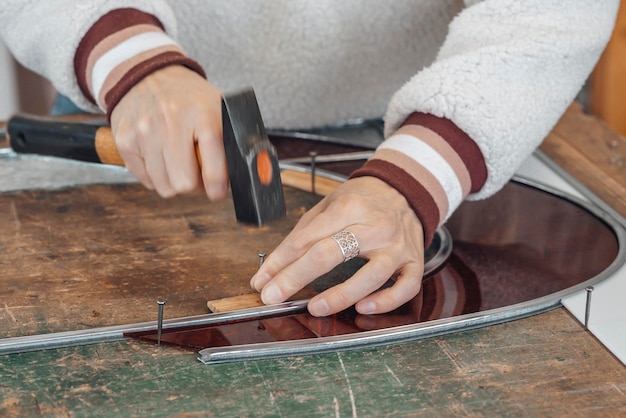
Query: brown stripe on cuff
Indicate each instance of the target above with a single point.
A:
(462, 144)
(120, 71)
(443, 148)
(143, 69)
(420, 174)
(112, 22)
(418, 197)
(109, 43)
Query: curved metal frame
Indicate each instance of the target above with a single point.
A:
(422, 330)
(326, 344)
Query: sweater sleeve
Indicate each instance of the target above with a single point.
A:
(119, 50)
(505, 74)
(92, 51)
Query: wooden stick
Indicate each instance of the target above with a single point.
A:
(302, 181)
(252, 300)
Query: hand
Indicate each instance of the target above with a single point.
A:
(156, 126)
(390, 236)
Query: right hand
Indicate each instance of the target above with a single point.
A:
(156, 126)
(389, 235)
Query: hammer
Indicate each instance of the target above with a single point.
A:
(253, 169)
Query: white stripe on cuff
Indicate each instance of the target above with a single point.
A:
(432, 161)
(122, 52)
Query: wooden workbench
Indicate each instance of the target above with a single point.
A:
(546, 365)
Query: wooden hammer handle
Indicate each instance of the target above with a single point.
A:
(106, 147)
(74, 140)
(95, 143)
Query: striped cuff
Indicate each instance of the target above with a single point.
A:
(433, 164)
(119, 50)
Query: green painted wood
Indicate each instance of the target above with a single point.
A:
(546, 365)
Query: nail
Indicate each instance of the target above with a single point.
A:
(589, 289)
(261, 259)
(160, 304)
(313, 154)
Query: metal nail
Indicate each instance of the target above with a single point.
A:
(313, 155)
(160, 304)
(261, 259)
(589, 289)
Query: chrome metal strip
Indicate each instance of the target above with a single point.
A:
(367, 339)
(404, 333)
(115, 333)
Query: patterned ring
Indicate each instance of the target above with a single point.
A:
(347, 243)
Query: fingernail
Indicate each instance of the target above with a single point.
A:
(366, 308)
(319, 307)
(216, 192)
(259, 280)
(271, 294)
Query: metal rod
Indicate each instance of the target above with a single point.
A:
(160, 303)
(589, 290)
(332, 158)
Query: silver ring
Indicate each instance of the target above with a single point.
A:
(347, 243)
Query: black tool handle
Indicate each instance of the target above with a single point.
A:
(73, 140)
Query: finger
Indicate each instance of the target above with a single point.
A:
(409, 313)
(214, 168)
(407, 285)
(125, 141)
(137, 167)
(366, 280)
(320, 259)
(181, 163)
(155, 167)
(296, 245)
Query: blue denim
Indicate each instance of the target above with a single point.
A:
(64, 106)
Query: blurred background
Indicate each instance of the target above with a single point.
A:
(22, 90)
(604, 95)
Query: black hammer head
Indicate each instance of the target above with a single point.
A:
(252, 161)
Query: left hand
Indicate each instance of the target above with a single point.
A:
(159, 122)
(390, 237)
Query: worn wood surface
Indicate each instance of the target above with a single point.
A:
(102, 255)
(124, 259)
(592, 153)
(543, 366)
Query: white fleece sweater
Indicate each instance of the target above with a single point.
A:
(496, 73)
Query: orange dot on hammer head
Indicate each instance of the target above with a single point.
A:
(264, 167)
